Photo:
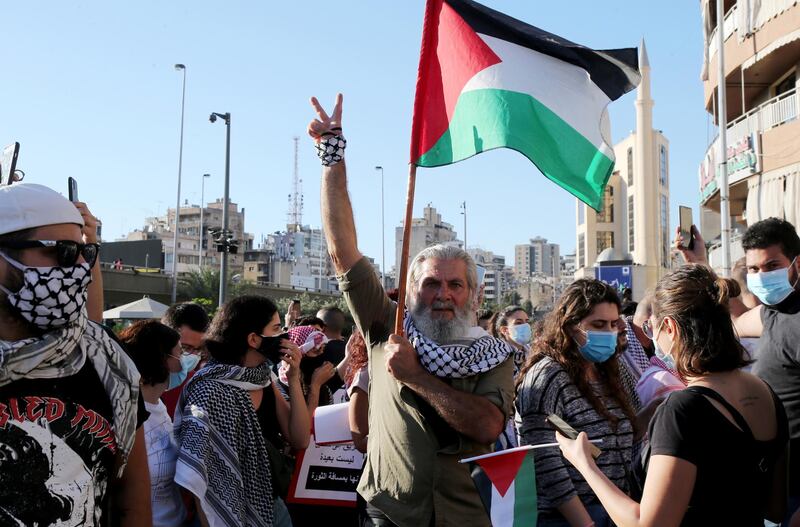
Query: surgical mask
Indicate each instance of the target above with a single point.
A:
(772, 287)
(188, 363)
(50, 297)
(600, 345)
(664, 356)
(521, 334)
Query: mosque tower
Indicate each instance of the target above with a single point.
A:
(634, 220)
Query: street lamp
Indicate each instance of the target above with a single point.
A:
(223, 266)
(202, 208)
(178, 67)
(464, 212)
(383, 234)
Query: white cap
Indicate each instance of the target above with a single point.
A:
(28, 205)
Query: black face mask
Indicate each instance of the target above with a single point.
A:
(271, 347)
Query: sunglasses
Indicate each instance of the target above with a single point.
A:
(67, 251)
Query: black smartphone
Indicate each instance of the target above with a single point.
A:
(561, 426)
(686, 226)
(72, 187)
(8, 163)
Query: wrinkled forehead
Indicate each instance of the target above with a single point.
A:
(443, 270)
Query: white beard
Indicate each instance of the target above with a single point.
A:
(439, 330)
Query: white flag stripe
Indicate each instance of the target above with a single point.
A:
(502, 513)
(566, 90)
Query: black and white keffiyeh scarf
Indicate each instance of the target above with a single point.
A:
(457, 360)
(63, 352)
(222, 457)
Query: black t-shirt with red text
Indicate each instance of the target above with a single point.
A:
(57, 450)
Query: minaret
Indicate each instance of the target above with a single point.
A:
(645, 176)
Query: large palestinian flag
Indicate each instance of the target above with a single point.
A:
(487, 80)
(506, 483)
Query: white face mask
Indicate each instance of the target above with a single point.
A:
(50, 297)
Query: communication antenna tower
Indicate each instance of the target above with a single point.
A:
(295, 215)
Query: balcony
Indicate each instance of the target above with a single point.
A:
(729, 25)
(744, 136)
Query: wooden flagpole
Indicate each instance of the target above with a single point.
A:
(401, 286)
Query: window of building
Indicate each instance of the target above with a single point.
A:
(662, 163)
(665, 252)
(581, 250)
(606, 214)
(630, 224)
(605, 240)
(581, 213)
(630, 166)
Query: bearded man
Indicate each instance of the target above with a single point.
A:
(441, 393)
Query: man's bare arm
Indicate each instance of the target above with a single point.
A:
(337, 212)
(471, 415)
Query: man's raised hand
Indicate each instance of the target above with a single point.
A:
(324, 123)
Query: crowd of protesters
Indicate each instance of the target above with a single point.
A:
(191, 421)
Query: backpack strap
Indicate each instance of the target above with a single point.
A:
(740, 421)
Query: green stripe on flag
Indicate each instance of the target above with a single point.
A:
(485, 119)
(525, 502)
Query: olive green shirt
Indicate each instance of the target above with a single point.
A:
(412, 473)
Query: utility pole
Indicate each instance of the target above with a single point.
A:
(464, 212)
(722, 118)
(225, 237)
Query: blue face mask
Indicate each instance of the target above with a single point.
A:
(665, 357)
(772, 287)
(600, 345)
(188, 362)
(521, 334)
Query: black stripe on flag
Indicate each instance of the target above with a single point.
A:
(483, 484)
(615, 71)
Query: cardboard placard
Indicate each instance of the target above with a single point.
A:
(331, 424)
(326, 475)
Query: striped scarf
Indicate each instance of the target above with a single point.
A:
(222, 457)
(63, 352)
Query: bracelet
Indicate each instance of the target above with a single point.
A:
(330, 148)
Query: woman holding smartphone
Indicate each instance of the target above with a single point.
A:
(573, 372)
(717, 448)
(223, 460)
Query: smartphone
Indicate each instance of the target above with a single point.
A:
(561, 426)
(8, 163)
(72, 187)
(686, 226)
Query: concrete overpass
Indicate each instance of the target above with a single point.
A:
(121, 286)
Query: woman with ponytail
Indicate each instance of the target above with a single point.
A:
(573, 372)
(717, 448)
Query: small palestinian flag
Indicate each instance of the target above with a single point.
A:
(506, 483)
(487, 80)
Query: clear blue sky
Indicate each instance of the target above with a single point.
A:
(89, 91)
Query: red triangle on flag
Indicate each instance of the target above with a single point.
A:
(502, 469)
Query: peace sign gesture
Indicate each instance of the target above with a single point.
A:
(324, 124)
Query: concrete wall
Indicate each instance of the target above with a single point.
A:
(122, 287)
